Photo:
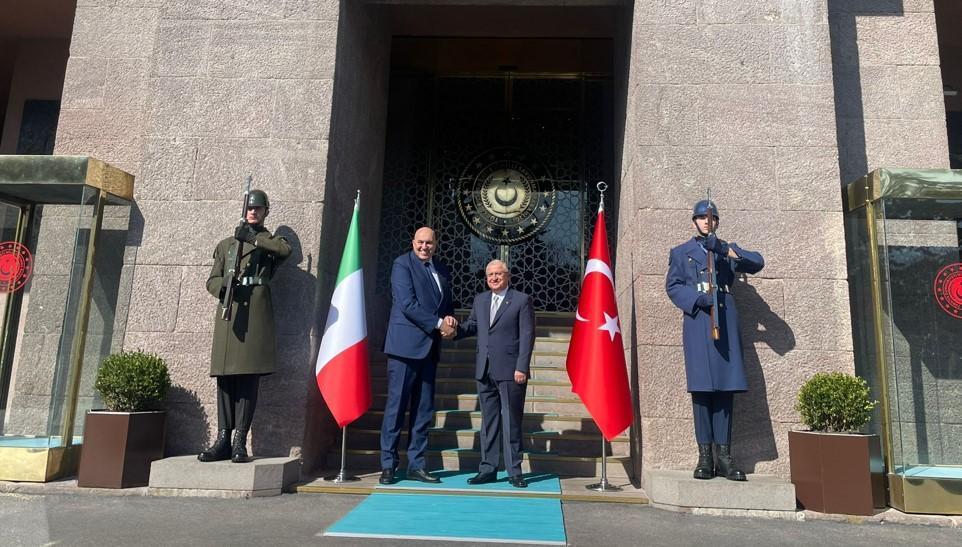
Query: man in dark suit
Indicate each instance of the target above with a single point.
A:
(503, 320)
(421, 313)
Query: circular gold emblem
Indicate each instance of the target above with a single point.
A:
(505, 196)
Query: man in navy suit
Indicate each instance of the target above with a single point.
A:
(503, 320)
(713, 368)
(421, 313)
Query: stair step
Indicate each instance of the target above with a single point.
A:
(471, 419)
(461, 357)
(561, 332)
(454, 386)
(554, 319)
(359, 460)
(541, 343)
(548, 442)
(552, 372)
(570, 406)
(466, 371)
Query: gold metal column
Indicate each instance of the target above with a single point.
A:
(83, 318)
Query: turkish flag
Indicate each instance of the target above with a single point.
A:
(596, 357)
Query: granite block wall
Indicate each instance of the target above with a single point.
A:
(191, 97)
(758, 100)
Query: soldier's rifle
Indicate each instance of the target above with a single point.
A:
(712, 278)
(230, 276)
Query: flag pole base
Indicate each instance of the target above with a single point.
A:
(603, 486)
(341, 478)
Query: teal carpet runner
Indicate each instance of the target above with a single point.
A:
(454, 511)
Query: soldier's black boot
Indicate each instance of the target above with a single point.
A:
(219, 450)
(706, 464)
(726, 465)
(238, 449)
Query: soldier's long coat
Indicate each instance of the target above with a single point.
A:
(245, 344)
(710, 365)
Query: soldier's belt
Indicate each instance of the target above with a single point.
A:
(703, 287)
(252, 280)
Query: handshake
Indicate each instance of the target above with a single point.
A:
(449, 327)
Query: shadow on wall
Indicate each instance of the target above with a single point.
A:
(186, 415)
(753, 439)
(847, 79)
(278, 418)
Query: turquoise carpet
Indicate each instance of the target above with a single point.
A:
(930, 472)
(494, 519)
(18, 441)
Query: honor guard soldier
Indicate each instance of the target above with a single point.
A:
(700, 275)
(243, 349)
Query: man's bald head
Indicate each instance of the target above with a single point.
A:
(424, 243)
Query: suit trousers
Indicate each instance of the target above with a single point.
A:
(713, 416)
(236, 400)
(410, 387)
(502, 409)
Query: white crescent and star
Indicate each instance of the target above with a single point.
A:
(610, 326)
(611, 322)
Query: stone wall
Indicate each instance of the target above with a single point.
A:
(740, 96)
(888, 85)
(736, 96)
(355, 162)
(191, 97)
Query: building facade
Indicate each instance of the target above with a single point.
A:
(773, 104)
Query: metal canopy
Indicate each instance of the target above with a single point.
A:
(61, 180)
(904, 183)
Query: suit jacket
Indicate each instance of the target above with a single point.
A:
(504, 346)
(710, 365)
(417, 305)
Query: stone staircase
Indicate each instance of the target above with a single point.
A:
(559, 436)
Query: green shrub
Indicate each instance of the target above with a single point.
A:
(131, 381)
(835, 402)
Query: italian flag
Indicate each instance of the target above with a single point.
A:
(342, 362)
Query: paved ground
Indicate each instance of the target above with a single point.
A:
(297, 519)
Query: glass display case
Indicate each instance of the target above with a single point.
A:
(63, 229)
(903, 231)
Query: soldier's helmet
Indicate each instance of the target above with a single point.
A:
(701, 209)
(258, 198)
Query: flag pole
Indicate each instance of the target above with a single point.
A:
(342, 475)
(350, 262)
(604, 485)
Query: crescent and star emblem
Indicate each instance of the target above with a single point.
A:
(506, 196)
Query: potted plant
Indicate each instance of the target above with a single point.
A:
(835, 468)
(121, 441)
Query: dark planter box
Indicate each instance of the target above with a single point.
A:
(118, 448)
(837, 472)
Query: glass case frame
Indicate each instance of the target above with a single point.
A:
(88, 186)
(874, 207)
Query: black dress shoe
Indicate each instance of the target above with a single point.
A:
(482, 478)
(422, 475)
(517, 481)
(387, 476)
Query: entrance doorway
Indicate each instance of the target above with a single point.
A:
(503, 163)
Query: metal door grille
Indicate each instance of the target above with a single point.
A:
(438, 125)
